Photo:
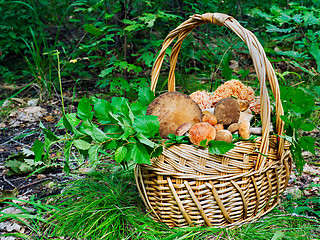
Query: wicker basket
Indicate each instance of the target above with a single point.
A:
(188, 186)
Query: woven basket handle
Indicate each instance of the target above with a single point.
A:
(262, 66)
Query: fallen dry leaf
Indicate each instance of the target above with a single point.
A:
(311, 169)
(49, 118)
(41, 176)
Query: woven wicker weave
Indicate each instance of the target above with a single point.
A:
(188, 186)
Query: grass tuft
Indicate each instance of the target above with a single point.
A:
(107, 206)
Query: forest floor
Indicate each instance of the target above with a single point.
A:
(19, 128)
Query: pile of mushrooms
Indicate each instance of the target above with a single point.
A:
(179, 114)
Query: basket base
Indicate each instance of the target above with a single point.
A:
(213, 190)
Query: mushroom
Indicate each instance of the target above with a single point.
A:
(244, 105)
(208, 110)
(227, 111)
(224, 135)
(233, 127)
(209, 118)
(244, 130)
(174, 109)
(201, 131)
(244, 124)
(183, 129)
(245, 116)
(219, 127)
(258, 130)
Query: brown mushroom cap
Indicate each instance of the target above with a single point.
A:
(227, 111)
(224, 135)
(209, 118)
(233, 127)
(183, 129)
(201, 131)
(174, 109)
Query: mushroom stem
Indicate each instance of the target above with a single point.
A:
(258, 130)
(244, 123)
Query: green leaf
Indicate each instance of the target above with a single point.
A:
(49, 134)
(94, 153)
(93, 30)
(307, 143)
(127, 112)
(13, 165)
(149, 18)
(84, 110)
(31, 162)
(157, 151)
(287, 138)
(66, 151)
(25, 168)
(106, 72)
(38, 148)
(47, 146)
(146, 96)
(310, 19)
(148, 125)
(174, 139)
(140, 154)
(102, 108)
(272, 28)
(297, 18)
(119, 85)
(117, 102)
(226, 70)
(138, 109)
(283, 18)
(93, 131)
(108, 16)
(134, 26)
(80, 144)
(148, 58)
(69, 125)
(125, 126)
(203, 143)
(27, 152)
(315, 52)
(120, 154)
(72, 120)
(219, 147)
(144, 140)
(307, 127)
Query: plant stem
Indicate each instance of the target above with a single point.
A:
(60, 83)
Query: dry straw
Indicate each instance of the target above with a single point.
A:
(188, 186)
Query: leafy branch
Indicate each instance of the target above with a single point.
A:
(298, 104)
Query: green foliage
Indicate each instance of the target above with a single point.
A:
(219, 147)
(28, 161)
(100, 126)
(174, 139)
(295, 27)
(31, 217)
(298, 104)
(106, 203)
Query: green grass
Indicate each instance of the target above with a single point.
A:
(107, 206)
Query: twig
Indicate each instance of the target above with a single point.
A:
(22, 144)
(4, 178)
(36, 182)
